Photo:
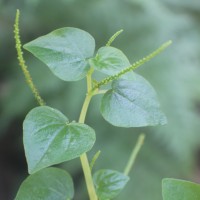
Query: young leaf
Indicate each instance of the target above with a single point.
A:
(132, 103)
(173, 189)
(65, 51)
(47, 184)
(109, 183)
(110, 60)
(50, 139)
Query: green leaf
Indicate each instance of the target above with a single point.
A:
(109, 183)
(65, 51)
(47, 184)
(110, 60)
(132, 103)
(173, 189)
(50, 139)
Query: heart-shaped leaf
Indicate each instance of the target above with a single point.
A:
(132, 103)
(109, 183)
(110, 60)
(47, 184)
(50, 139)
(65, 51)
(173, 189)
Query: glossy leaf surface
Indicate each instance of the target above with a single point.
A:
(47, 184)
(110, 60)
(50, 139)
(173, 189)
(132, 103)
(109, 183)
(65, 51)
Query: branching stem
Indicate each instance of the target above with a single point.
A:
(83, 157)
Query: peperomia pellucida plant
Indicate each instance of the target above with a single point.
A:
(50, 138)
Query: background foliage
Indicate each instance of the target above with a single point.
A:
(169, 151)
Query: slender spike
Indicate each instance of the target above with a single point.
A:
(133, 66)
(22, 61)
(134, 154)
(110, 41)
(95, 157)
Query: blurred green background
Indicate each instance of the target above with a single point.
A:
(172, 150)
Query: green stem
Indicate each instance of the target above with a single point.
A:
(85, 108)
(88, 177)
(134, 154)
(83, 157)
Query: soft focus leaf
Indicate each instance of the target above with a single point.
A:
(174, 189)
(50, 139)
(47, 184)
(132, 103)
(109, 183)
(110, 60)
(65, 51)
